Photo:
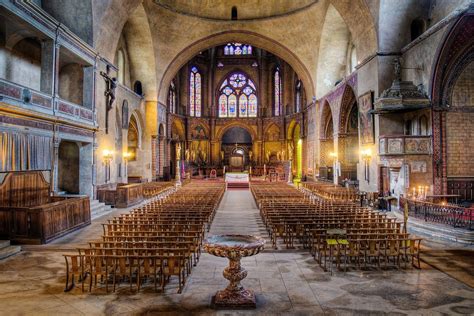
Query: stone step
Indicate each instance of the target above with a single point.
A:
(99, 209)
(6, 250)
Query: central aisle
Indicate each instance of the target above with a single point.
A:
(238, 214)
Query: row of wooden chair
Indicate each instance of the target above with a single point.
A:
(333, 227)
(149, 245)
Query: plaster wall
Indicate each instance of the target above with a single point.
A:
(20, 68)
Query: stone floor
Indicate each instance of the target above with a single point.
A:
(286, 282)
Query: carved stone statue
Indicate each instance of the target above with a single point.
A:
(222, 155)
(178, 151)
(397, 66)
(250, 155)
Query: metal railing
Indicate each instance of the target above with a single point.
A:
(455, 216)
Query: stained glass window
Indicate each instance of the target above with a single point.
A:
(237, 49)
(232, 105)
(195, 97)
(277, 92)
(172, 98)
(238, 97)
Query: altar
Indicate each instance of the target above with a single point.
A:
(237, 180)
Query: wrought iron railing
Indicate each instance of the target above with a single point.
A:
(451, 215)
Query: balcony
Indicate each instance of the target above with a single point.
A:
(404, 145)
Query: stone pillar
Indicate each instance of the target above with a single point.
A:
(86, 158)
(56, 71)
(48, 66)
(154, 156)
(55, 163)
(95, 147)
(161, 154)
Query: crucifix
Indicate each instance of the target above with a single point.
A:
(110, 86)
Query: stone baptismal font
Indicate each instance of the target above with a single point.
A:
(234, 247)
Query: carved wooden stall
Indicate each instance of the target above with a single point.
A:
(30, 215)
(121, 194)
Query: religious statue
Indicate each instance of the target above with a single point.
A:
(203, 157)
(250, 155)
(267, 156)
(282, 152)
(193, 156)
(222, 155)
(279, 155)
(178, 151)
(110, 86)
(397, 66)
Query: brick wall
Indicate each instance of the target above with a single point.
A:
(463, 92)
(460, 141)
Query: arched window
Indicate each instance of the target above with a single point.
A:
(237, 49)
(298, 96)
(172, 97)
(137, 88)
(277, 92)
(353, 58)
(238, 97)
(121, 66)
(233, 13)
(195, 93)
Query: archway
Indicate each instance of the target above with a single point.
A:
(236, 148)
(348, 136)
(223, 38)
(68, 167)
(452, 110)
(178, 135)
(133, 146)
(327, 155)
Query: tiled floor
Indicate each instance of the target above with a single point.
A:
(286, 282)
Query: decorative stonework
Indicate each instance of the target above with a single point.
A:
(405, 145)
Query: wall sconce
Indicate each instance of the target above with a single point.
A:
(366, 156)
(107, 155)
(127, 155)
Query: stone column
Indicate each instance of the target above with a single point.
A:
(95, 147)
(54, 165)
(85, 169)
